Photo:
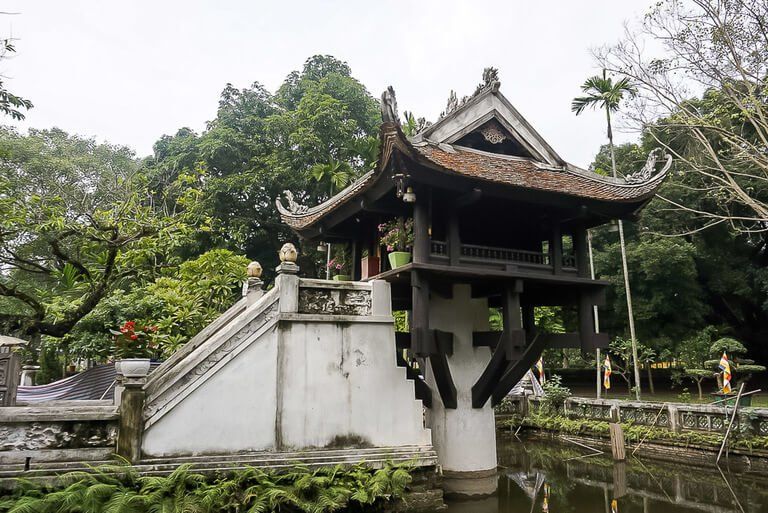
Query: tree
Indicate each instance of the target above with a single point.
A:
(77, 220)
(180, 302)
(701, 94)
(740, 366)
(692, 356)
(11, 104)
(623, 352)
(261, 144)
(602, 92)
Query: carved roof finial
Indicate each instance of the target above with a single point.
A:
(389, 106)
(293, 206)
(490, 80)
(648, 170)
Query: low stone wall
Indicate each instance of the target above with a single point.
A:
(62, 432)
(674, 416)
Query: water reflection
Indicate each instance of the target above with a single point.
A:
(555, 478)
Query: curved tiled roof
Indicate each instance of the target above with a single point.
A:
(515, 172)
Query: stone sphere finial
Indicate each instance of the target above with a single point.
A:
(288, 253)
(254, 270)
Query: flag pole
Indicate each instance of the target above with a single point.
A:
(596, 316)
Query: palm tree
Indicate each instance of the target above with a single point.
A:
(602, 92)
(336, 174)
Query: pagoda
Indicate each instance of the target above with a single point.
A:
(500, 221)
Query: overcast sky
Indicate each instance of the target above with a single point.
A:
(128, 72)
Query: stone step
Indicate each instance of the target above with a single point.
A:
(375, 457)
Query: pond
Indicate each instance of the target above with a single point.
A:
(557, 477)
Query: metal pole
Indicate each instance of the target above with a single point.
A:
(328, 262)
(597, 317)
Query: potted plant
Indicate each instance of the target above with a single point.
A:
(397, 236)
(132, 349)
(339, 265)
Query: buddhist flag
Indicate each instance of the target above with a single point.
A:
(726, 368)
(607, 373)
(545, 504)
(540, 368)
(614, 506)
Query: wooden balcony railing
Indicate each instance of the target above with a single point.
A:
(475, 254)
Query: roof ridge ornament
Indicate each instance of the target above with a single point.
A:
(490, 82)
(649, 169)
(294, 207)
(389, 106)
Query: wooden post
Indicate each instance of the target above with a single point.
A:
(454, 239)
(9, 376)
(421, 342)
(580, 249)
(357, 256)
(421, 227)
(617, 442)
(556, 249)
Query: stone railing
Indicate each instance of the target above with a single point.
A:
(67, 431)
(713, 418)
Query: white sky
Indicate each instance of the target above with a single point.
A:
(128, 72)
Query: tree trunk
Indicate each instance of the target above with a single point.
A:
(630, 313)
(650, 379)
(701, 394)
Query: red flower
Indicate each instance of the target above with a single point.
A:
(134, 337)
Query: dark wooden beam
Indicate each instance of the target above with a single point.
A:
(468, 198)
(512, 339)
(421, 340)
(443, 379)
(402, 340)
(517, 369)
(422, 391)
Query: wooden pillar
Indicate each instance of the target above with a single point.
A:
(511, 308)
(529, 322)
(421, 342)
(421, 227)
(586, 322)
(580, 248)
(454, 239)
(357, 256)
(556, 249)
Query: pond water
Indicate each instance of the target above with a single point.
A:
(552, 477)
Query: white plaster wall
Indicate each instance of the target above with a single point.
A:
(234, 410)
(307, 383)
(342, 380)
(465, 437)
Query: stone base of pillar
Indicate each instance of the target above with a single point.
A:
(482, 483)
(464, 437)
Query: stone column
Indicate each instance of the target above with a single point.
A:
(464, 437)
(252, 287)
(28, 375)
(287, 279)
(131, 427)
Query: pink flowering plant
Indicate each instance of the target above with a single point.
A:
(133, 342)
(337, 264)
(397, 235)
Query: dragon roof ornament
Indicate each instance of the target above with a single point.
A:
(293, 206)
(389, 106)
(648, 170)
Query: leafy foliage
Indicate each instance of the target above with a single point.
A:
(120, 488)
(78, 220)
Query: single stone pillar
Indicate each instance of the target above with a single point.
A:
(131, 427)
(28, 375)
(675, 423)
(252, 287)
(464, 437)
(287, 280)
